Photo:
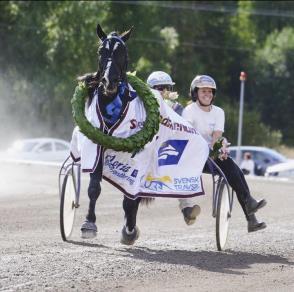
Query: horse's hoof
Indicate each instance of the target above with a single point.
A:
(129, 238)
(88, 234)
(89, 230)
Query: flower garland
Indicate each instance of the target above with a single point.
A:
(132, 144)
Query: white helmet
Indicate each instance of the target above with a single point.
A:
(201, 81)
(159, 78)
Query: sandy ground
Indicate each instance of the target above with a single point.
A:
(169, 256)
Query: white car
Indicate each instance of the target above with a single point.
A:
(41, 149)
(285, 169)
(262, 156)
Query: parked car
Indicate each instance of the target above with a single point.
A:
(42, 149)
(284, 169)
(262, 156)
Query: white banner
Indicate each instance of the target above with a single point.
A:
(169, 166)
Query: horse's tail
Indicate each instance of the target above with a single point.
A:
(146, 201)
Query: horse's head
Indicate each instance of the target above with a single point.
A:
(113, 59)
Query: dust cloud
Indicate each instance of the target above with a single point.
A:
(23, 113)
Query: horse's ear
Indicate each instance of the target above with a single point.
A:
(125, 36)
(100, 33)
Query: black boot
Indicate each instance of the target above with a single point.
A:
(253, 224)
(253, 205)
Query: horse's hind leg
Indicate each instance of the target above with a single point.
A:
(89, 228)
(130, 232)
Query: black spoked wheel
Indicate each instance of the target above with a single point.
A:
(67, 205)
(223, 214)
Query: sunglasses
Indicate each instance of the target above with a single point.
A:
(163, 87)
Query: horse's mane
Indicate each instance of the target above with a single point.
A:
(92, 82)
(91, 79)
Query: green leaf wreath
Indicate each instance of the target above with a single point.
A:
(132, 144)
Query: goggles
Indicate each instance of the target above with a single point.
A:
(163, 87)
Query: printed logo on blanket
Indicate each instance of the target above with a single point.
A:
(171, 151)
(157, 183)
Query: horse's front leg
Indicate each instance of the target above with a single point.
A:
(89, 228)
(130, 231)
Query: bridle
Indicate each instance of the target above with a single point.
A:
(111, 63)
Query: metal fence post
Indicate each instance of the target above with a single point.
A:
(243, 78)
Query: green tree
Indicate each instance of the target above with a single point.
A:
(254, 131)
(269, 16)
(275, 84)
(45, 50)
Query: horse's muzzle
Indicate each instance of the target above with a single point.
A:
(110, 88)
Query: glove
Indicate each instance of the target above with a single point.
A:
(220, 149)
(224, 150)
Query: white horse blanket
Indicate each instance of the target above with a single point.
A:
(169, 166)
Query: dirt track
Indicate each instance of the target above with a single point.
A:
(169, 256)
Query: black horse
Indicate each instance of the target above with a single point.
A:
(110, 84)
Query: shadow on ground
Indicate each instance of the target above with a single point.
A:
(83, 243)
(229, 262)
